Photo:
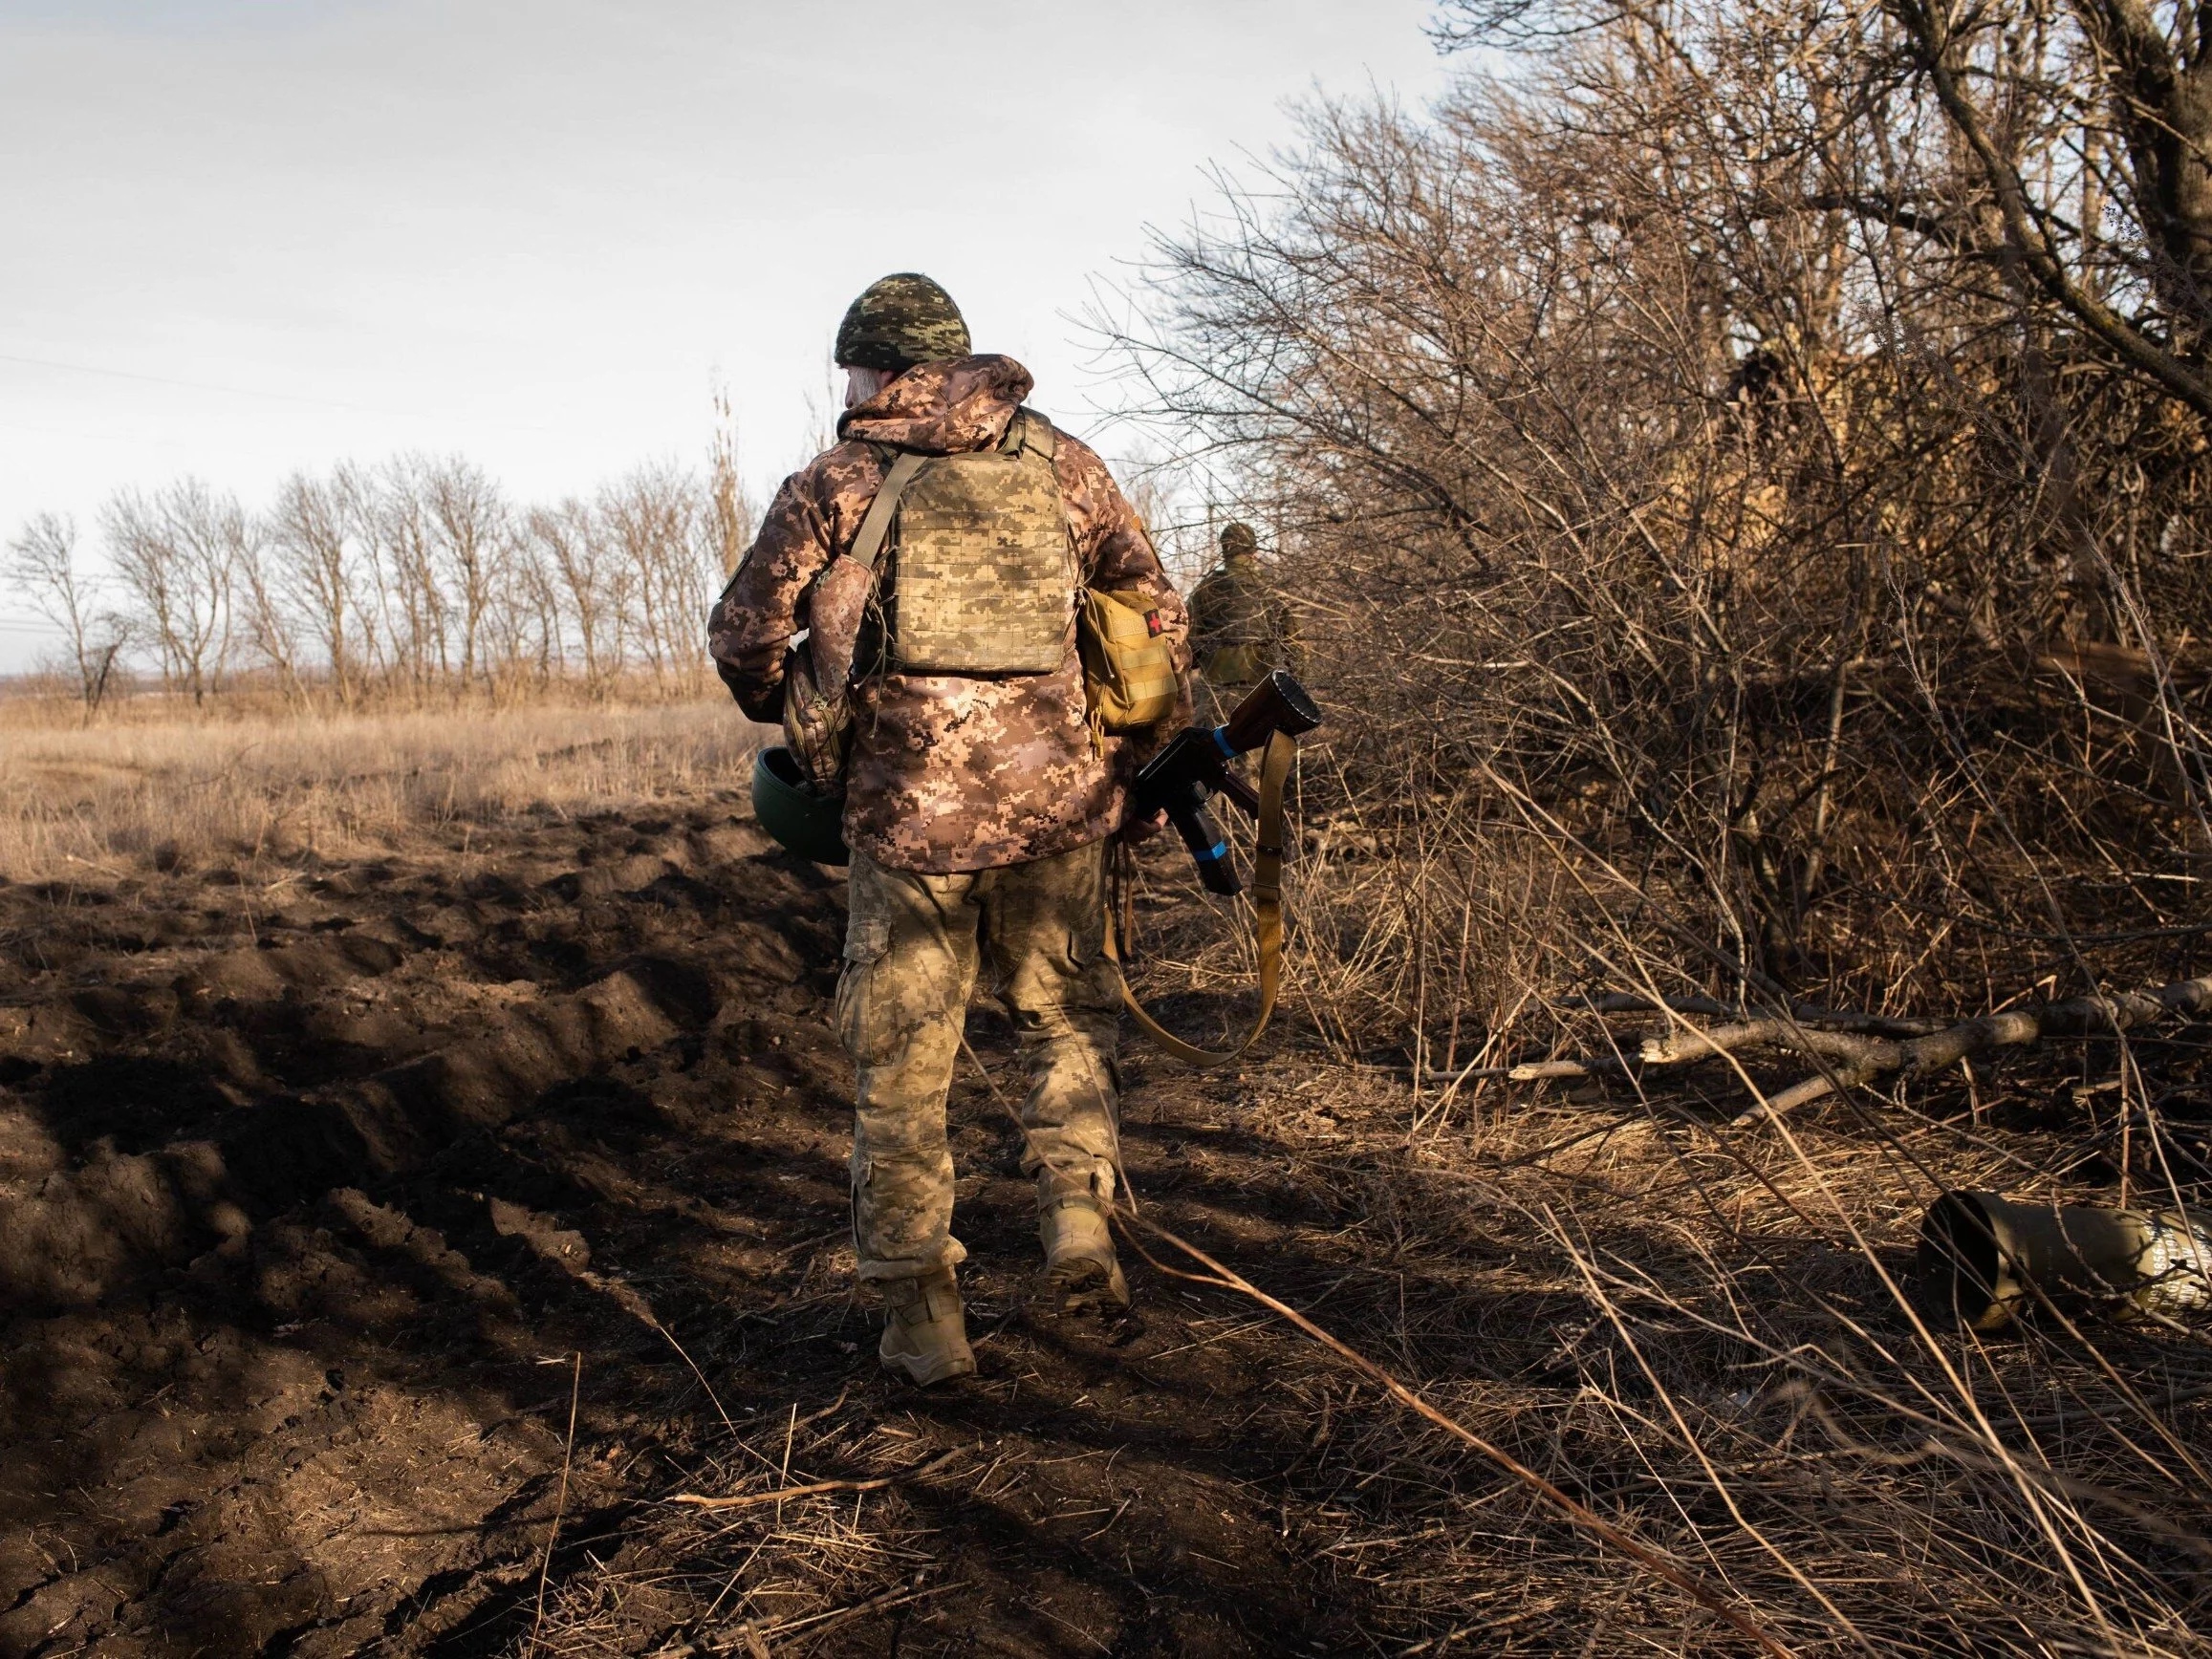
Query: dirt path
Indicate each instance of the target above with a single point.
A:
(311, 1195)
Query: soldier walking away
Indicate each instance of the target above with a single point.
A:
(978, 799)
(1239, 628)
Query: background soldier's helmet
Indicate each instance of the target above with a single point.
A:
(1239, 542)
(900, 321)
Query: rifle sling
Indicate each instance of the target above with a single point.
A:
(1266, 920)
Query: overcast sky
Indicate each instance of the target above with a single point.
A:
(252, 235)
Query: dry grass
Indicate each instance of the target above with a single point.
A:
(240, 789)
(1699, 1332)
(1709, 1333)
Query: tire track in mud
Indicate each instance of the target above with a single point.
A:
(308, 1192)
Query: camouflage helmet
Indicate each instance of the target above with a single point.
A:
(1239, 542)
(899, 321)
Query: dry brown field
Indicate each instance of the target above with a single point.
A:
(422, 1166)
(252, 784)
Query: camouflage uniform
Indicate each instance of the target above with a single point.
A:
(977, 810)
(1240, 630)
(948, 772)
(911, 954)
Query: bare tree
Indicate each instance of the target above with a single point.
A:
(666, 534)
(2090, 125)
(390, 508)
(571, 550)
(315, 536)
(268, 622)
(533, 634)
(176, 553)
(43, 569)
(469, 521)
(417, 577)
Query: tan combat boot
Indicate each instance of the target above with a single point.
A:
(923, 1332)
(1080, 1262)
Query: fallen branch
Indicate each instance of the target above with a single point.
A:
(1868, 1045)
(1839, 1032)
(2098, 1015)
(1680, 1046)
(1539, 1071)
(1804, 1013)
(813, 1489)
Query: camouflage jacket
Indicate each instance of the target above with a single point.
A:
(1238, 627)
(948, 772)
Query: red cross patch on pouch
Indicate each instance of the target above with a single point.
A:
(1152, 624)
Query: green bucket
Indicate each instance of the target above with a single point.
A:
(809, 825)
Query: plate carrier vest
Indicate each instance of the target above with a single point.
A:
(982, 574)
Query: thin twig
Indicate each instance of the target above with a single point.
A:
(1654, 1562)
(561, 1504)
(813, 1489)
(881, 1603)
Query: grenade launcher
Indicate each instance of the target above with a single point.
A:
(1195, 764)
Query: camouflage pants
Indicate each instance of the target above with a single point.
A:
(912, 948)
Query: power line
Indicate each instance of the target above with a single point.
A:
(244, 392)
(46, 429)
(186, 385)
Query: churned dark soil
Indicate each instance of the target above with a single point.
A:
(323, 1199)
(389, 1246)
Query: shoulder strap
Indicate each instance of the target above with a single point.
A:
(1031, 431)
(1026, 430)
(869, 543)
(1266, 920)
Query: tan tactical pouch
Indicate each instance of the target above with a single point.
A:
(1128, 671)
(984, 579)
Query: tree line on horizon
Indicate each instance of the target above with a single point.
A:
(405, 582)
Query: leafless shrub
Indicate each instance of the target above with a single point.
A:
(1642, 476)
(1738, 566)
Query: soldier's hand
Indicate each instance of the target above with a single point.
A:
(1142, 829)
